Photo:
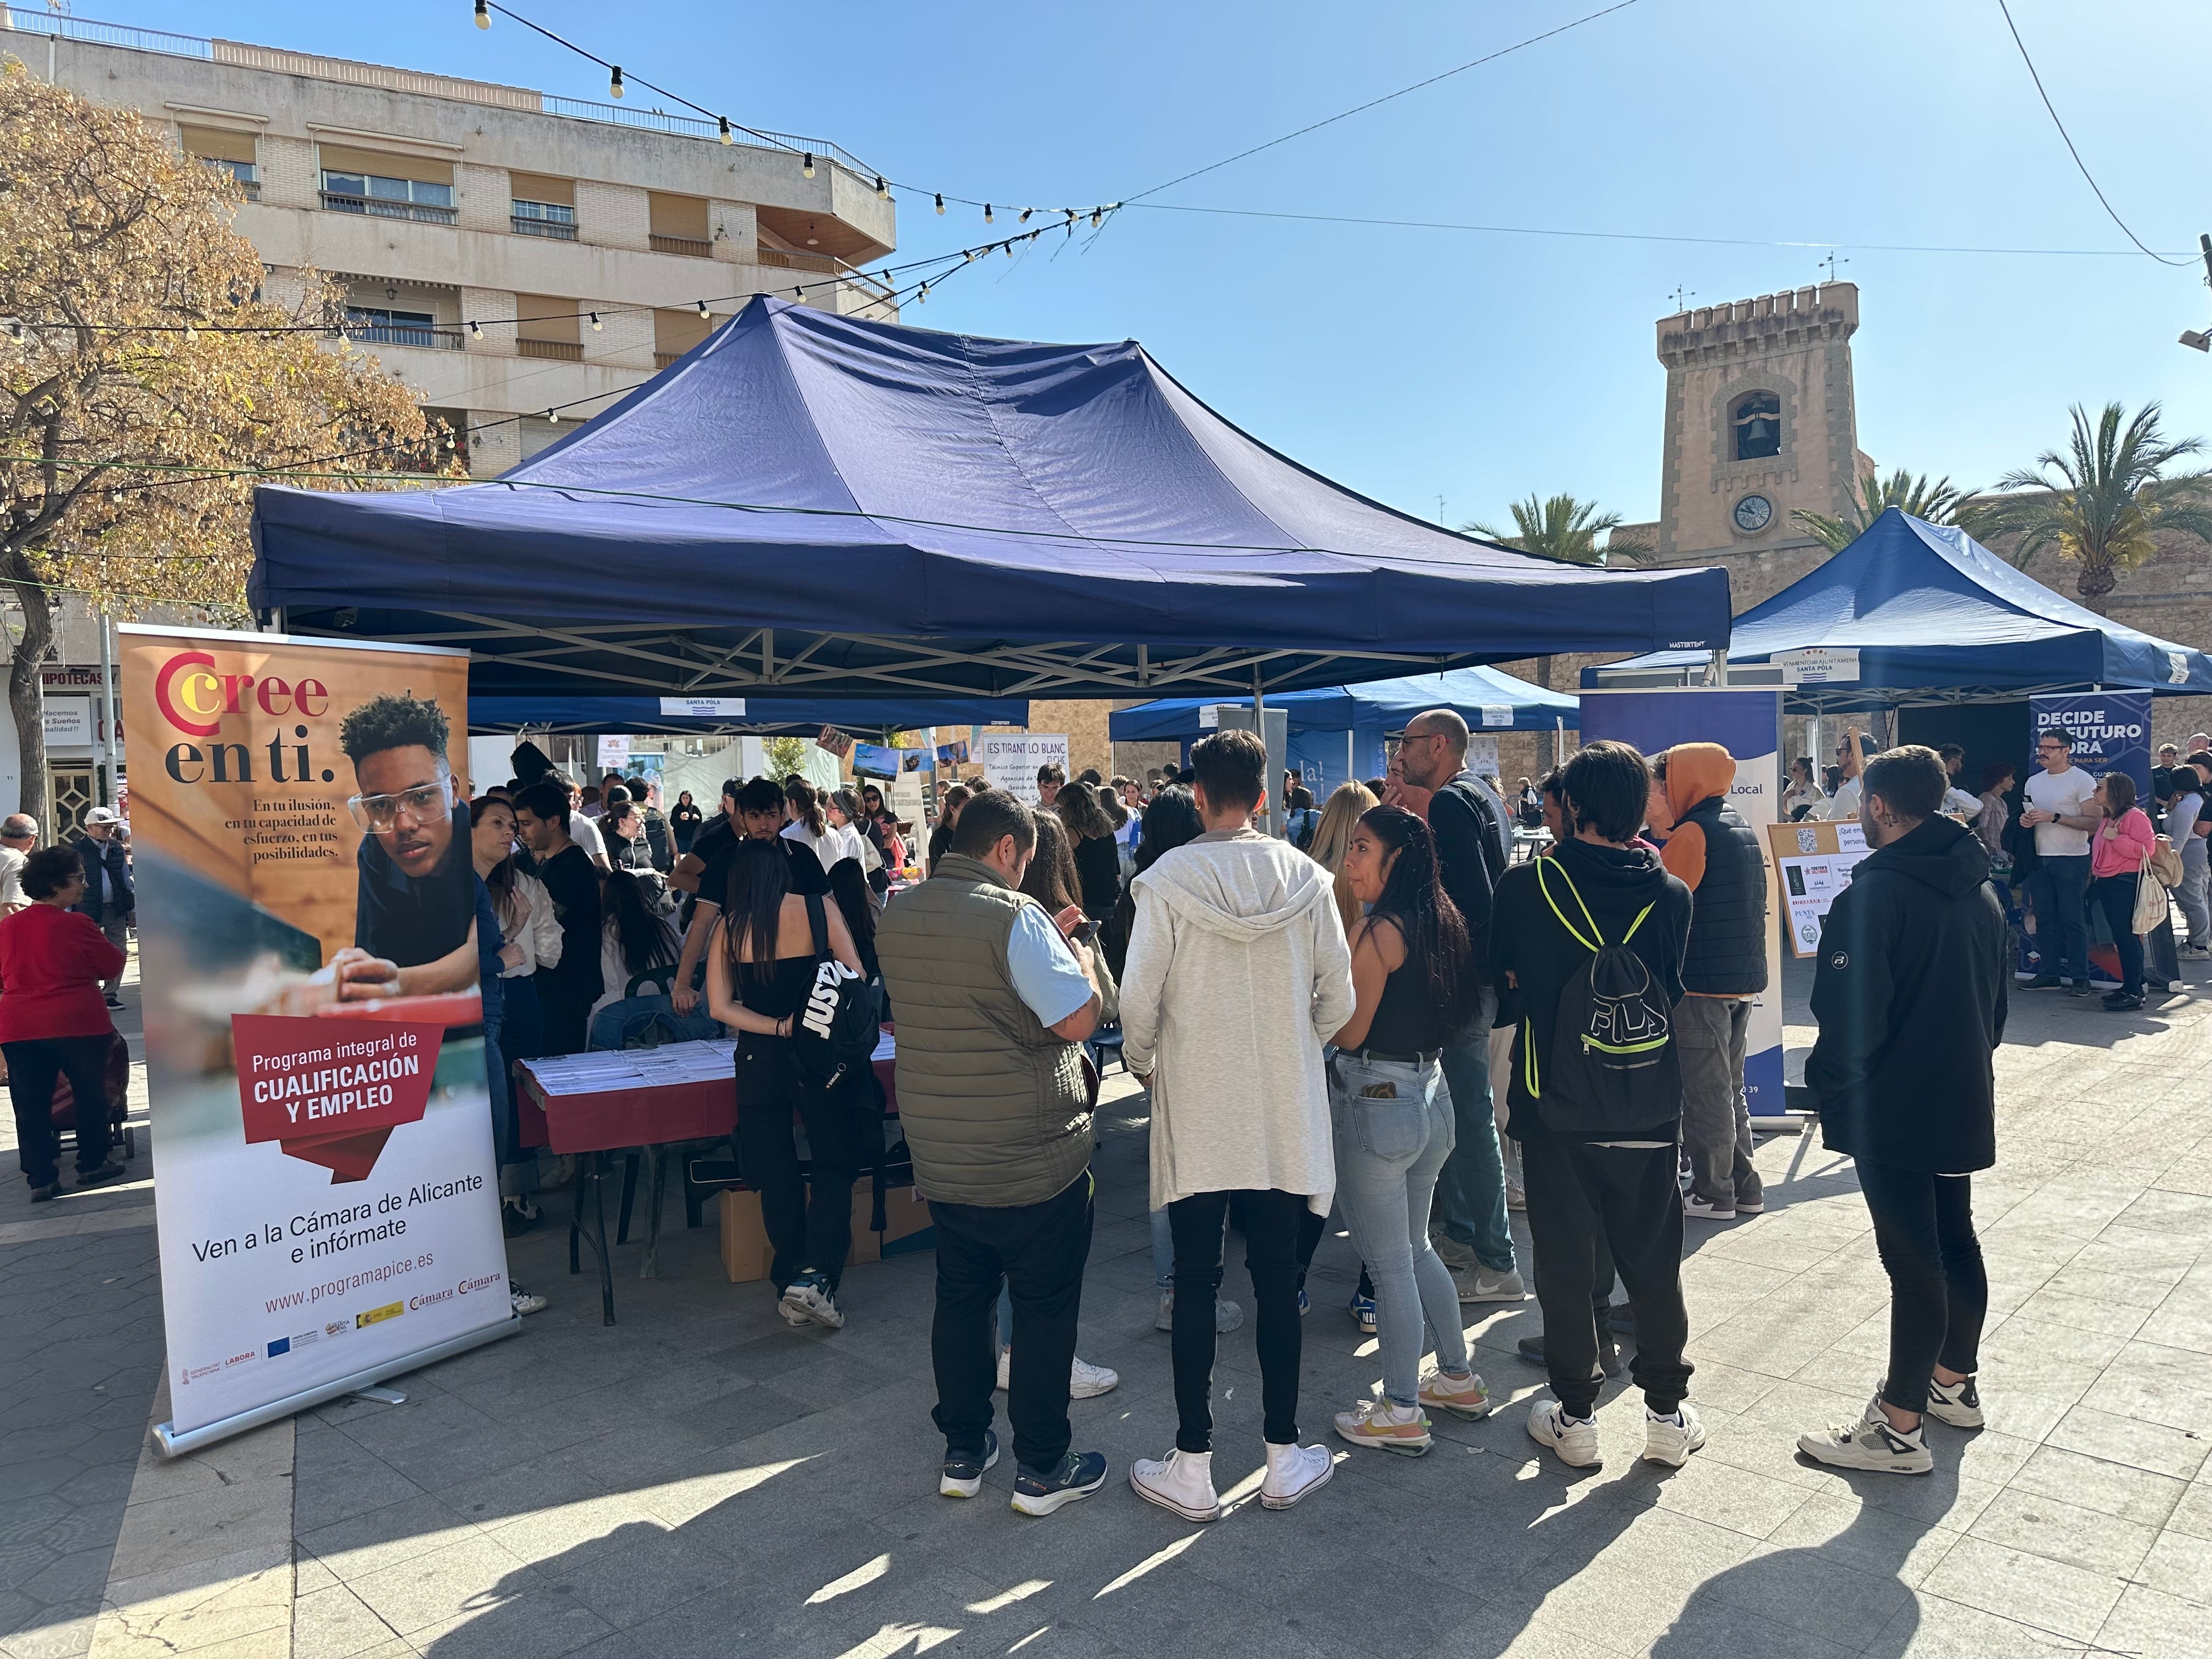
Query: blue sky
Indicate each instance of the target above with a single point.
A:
(1414, 363)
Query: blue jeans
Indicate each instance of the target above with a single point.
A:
(2059, 890)
(1393, 1132)
(1471, 1189)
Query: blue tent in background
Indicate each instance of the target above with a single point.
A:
(801, 717)
(1338, 731)
(1936, 617)
(817, 504)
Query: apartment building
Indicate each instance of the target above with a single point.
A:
(522, 259)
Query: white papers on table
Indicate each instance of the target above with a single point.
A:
(607, 1070)
(886, 1048)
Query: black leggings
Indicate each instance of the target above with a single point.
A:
(1923, 1226)
(33, 1066)
(2116, 896)
(1271, 1221)
(808, 1218)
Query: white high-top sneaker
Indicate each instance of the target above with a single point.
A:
(1182, 1481)
(1293, 1471)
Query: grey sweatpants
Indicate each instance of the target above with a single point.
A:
(1712, 1033)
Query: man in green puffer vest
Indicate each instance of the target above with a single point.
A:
(994, 997)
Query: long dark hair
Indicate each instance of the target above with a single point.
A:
(648, 940)
(752, 910)
(1078, 806)
(500, 881)
(805, 802)
(2119, 794)
(1051, 880)
(857, 906)
(1171, 821)
(1414, 900)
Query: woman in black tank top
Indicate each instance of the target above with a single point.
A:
(1414, 981)
(760, 969)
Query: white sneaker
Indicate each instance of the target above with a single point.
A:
(1955, 1403)
(523, 1303)
(1670, 1440)
(1574, 1439)
(1454, 1254)
(2194, 952)
(809, 1301)
(1227, 1316)
(1293, 1471)
(1870, 1443)
(1479, 1283)
(1182, 1481)
(1697, 1209)
(1517, 1196)
(1087, 1382)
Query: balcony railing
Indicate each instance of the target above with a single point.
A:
(551, 230)
(666, 359)
(559, 351)
(430, 339)
(689, 246)
(789, 259)
(376, 208)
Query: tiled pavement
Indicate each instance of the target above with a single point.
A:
(700, 1479)
(80, 1354)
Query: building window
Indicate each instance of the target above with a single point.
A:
(1757, 426)
(227, 152)
(544, 219)
(678, 224)
(384, 326)
(387, 187)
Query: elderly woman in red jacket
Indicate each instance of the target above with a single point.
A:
(54, 1020)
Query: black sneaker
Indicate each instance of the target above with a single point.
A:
(107, 1172)
(1076, 1475)
(115, 1002)
(1608, 1354)
(963, 1470)
(47, 1194)
(2045, 982)
(2121, 1003)
(2079, 987)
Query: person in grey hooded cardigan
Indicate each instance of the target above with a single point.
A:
(1238, 973)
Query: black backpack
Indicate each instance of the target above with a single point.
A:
(835, 1033)
(1614, 1064)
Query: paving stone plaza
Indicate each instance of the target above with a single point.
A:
(701, 1479)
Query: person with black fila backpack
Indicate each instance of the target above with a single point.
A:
(1592, 940)
(782, 972)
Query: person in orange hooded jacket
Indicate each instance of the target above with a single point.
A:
(1717, 856)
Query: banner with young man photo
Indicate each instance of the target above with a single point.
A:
(328, 1201)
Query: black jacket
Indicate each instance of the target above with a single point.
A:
(108, 893)
(1529, 941)
(1910, 991)
(1727, 956)
(1474, 849)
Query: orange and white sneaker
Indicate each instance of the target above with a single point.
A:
(1400, 1428)
(1462, 1396)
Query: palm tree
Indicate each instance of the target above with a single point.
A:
(2110, 497)
(1939, 502)
(1563, 528)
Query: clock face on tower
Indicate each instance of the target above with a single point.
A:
(1752, 514)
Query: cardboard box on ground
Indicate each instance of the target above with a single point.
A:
(747, 1253)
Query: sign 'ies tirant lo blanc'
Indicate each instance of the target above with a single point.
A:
(328, 1207)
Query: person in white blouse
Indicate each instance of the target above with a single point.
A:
(532, 930)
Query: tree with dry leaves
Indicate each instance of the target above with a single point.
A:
(143, 349)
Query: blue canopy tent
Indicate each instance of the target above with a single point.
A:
(818, 505)
(1936, 618)
(801, 717)
(1337, 732)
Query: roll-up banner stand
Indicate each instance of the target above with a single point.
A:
(1748, 725)
(328, 1199)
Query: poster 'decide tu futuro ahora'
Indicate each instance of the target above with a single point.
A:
(328, 1202)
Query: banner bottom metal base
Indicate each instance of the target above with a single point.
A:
(171, 1443)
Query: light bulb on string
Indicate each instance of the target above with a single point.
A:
(484, 15)
(553, 416)
(1009, 246)
(614, 84)
(882, 190)
(596, 325)
(702, 308)
(940, 201)
(1097, 214)
(476, 329)
(1025, 214)
(987, 213)
(806, 167)
(921, 294)
(724, 121)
